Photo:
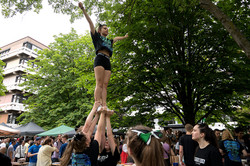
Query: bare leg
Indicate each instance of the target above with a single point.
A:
(99, 76)
(107, 75)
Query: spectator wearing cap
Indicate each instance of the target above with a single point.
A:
(11, 151)
(33, 151)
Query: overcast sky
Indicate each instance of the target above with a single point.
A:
(41, 27)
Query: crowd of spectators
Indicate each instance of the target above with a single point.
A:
(198, 145)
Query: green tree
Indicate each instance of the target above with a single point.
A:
(69, 7)
(236, 34)
(55, 95)
(180, 59)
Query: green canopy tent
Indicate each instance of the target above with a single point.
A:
(56, 131)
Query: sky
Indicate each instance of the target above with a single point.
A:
(41, 27)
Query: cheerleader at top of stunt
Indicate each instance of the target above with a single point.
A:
(102, 67)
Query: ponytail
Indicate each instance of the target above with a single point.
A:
(78, 144)
(67, 154)
(150, 154)
(209, 134)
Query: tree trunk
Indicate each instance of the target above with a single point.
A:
(239, 38)
(189, 118)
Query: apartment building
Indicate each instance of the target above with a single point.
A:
(16, 55)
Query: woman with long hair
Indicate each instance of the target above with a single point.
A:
(104, 50)
(44, 153)
(82, 149)
(231, 150)
(75, 150)
(144, 146)
(207, 153)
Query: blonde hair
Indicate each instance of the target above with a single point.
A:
(227, 135)
(146, 155)
(189, 127)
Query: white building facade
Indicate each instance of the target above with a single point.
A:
(15, 56)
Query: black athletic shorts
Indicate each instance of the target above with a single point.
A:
(102, 60)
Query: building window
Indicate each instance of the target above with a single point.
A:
(31, 46)
(12, 119)
(4, 52)
(23, 61)
(18, 98)
(20, 79)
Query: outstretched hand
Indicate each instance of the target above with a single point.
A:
(80, 5)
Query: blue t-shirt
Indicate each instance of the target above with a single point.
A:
(62, 149)
(80, 160)
(16, 145)
(101, 42)
(233, 150)
(34, 149)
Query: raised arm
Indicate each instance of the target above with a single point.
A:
(99, 131)
(119, 38)
(91, 25)
(93, 124)
(89, 118)
(109, 132)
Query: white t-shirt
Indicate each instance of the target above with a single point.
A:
(3, 145)
(20, 151)
(125, 148)
(44, 155)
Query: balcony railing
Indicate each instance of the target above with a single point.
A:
(13, 106)
(14, 86)
(20, 67)
(19, 51)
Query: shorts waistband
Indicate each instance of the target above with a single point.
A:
(106, 56)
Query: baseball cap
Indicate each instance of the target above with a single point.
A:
(38, 138)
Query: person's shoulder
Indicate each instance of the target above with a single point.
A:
(184, 137)
(166, 145)
(95, 34)
(65, 144)
(181, 138)
(212, 148)
(94, 143)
